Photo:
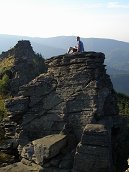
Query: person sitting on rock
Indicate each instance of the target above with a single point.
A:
(78, 48)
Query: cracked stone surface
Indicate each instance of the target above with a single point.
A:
(74, 92)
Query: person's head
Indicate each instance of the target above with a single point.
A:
(78, 38)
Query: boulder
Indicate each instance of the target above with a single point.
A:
(45, 148)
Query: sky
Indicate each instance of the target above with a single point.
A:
(50, 18)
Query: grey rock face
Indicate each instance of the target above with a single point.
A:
(94, 150)
(75, 92)
(45, 148)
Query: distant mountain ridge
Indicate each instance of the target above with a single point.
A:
(58, 43)
(116, 52)
(8, 41)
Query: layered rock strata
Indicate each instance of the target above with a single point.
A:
(94, 151)
(75, 92)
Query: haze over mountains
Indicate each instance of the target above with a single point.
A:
(116, 53)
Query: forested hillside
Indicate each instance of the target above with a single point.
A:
(123, 103)
(123, 146)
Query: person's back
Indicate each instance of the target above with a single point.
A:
(80, 46)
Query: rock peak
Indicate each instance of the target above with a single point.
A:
(21, 64)
(23, 44)
(23, 48)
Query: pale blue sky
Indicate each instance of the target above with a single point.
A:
(48, 18)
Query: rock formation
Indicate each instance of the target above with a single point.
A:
(74, 100)
(25, 65)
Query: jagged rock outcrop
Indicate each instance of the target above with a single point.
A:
(94, 149)
(75, 92)
(21, 64)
